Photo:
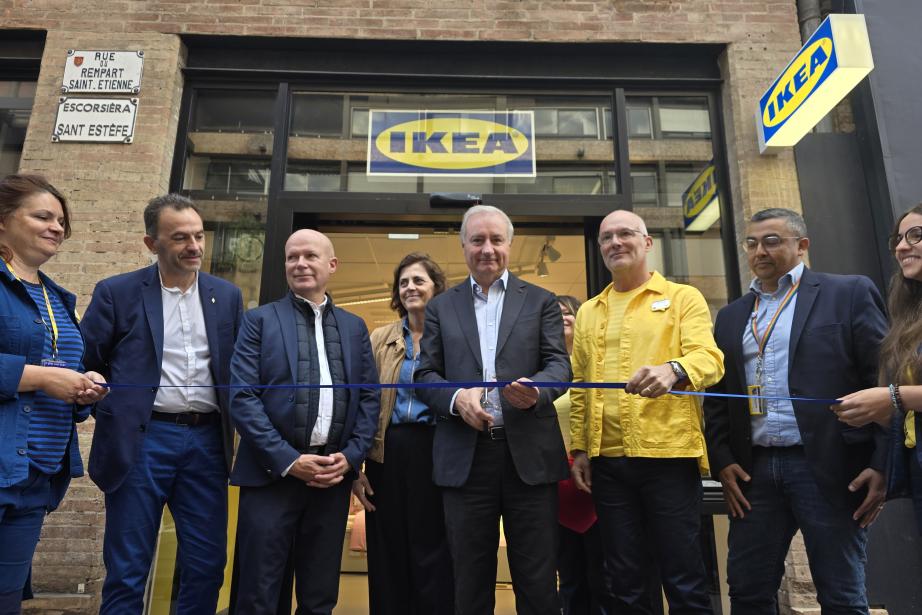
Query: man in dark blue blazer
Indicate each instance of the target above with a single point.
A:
(299, 447)
(789, 465)
(164, 326)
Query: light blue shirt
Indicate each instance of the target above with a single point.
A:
(407, 407)
(488, 310)
(777, 427)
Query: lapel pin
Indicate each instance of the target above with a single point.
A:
(212, 299)
(660, 306)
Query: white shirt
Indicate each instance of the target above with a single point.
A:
(321, 431)
(186, 355)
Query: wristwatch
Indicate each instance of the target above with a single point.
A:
(678, 371)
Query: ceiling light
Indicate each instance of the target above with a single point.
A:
(552, 253)
(542, 269)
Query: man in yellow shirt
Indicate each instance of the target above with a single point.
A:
(638, 450)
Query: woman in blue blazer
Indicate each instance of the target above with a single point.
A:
(43, 390)
(898, 401)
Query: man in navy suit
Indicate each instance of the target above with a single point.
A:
(789, 465)
(299, 447)
(166, 326)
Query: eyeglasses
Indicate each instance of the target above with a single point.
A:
(913, 235)
(769, 242)
(624, 234)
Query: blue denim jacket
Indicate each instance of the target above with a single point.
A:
(22, 339)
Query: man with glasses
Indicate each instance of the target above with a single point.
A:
(638, 450)
(497, 452)
(789, 464)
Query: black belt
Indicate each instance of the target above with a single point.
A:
(494, 433)
(189, 419)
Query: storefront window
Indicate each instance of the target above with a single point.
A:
(227, 174)
(676, 189)
(15, 107)
(573, 146)
(668, 117)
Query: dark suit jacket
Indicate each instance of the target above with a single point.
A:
(123, 328)
(530, 344)
(267, 354)
(838, 325)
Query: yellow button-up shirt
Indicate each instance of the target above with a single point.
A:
(666, 322)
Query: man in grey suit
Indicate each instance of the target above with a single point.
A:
(497, 453)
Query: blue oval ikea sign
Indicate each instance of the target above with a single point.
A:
(832, 62)
(802, 77)
(470, 143)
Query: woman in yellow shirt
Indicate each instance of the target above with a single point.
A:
(899, 398)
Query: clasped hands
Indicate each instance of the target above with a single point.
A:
(468, 407)
(321, 471)
(73, 387)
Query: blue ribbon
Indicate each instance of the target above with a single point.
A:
(460, 385)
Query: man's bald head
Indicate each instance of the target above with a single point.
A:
(309, 263)
(624, 244)
(625, 218)
(306, 234)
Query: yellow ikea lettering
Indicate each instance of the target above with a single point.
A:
(797, 82)
(700, 193)
(451, 143)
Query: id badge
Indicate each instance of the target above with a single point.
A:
(53, 363)
(756, 404)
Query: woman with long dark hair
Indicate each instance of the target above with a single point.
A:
(897, 402)
(409, 566)
(43, 390)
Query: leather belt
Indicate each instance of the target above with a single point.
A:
(189, 419)
(494, 433)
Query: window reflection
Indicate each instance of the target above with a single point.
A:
(16, 99)
(233, 111)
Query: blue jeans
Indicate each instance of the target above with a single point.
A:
(651, 506)
(784, 498)
(22, 511)
(183, 467)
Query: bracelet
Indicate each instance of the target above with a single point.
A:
(895, 398)
(899, 398)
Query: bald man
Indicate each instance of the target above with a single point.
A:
(638, 450)
(299, 447)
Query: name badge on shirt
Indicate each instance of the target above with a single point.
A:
(53, 363)
(756, 404)
(661, 305)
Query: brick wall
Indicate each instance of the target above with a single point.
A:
(109, 184)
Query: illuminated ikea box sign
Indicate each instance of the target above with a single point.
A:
(465, 143)
(700, 205)
(835, 59)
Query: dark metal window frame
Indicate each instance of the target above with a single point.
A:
(285, 206)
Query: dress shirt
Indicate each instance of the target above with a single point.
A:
(321, 431)
(407, 407)
(488, 309)
(186, 354)
(778, 426)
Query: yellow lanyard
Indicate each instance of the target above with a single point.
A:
(54, 323)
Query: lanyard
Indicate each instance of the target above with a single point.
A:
(54, 323)
(763, 339)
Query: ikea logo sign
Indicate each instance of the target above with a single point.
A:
(832, 62)
(700, 204)
(468, 143)
(801, 78)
